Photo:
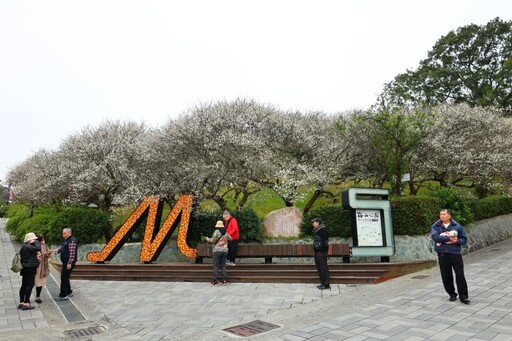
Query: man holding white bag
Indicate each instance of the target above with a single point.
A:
(449, 236)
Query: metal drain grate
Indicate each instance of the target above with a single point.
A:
(67, 307)
(420, 277)
(251, 328)
(77, 333)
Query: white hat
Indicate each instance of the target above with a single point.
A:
(30, 236)
(219, 224)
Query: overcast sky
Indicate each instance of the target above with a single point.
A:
(67, 64)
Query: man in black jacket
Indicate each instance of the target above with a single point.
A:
(321, 246)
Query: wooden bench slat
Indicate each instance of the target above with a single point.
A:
(277, 250)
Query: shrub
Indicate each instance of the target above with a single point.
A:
(492, 206)
(202, 224)
(16, 214)
(458, 201)
(251, 229)
(337, 220)
(39, 223)
(3, 210)
(88, 225)
(413, 215)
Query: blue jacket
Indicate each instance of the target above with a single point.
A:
(440, 240)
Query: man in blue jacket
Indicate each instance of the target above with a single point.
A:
(449, 236)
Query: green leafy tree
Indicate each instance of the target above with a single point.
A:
(387, 142)
(470, 65)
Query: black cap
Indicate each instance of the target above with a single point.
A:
(317, 220)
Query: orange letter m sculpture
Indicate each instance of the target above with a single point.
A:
(153, 242)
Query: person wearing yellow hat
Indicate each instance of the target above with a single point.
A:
(219, 239)
(29, 258)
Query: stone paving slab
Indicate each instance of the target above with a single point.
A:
(404, 308)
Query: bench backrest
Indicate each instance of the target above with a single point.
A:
(277, 250)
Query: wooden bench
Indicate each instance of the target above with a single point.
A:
(269, 251)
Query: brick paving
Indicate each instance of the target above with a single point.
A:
(406, 308)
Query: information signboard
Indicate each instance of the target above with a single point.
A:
(369, 226)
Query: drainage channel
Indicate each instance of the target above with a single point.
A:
(251, 328)
(68, 309)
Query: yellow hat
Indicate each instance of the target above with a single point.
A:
(219, 224)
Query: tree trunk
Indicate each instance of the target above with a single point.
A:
(413, 190)
(220, 201)
(312, 200)
(245, 196)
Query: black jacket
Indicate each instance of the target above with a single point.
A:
(28, 254)
(321, 239)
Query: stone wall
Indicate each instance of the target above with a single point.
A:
(129, 253)
(480, 234)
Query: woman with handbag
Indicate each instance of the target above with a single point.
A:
(29, 258)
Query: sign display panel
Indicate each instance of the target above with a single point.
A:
(369, 228)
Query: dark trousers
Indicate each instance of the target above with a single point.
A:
(322, 268)
(232, 250)
(65, 285)
(219, 264)
(449, 263)
(28, 277)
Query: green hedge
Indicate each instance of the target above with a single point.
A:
(203, 224)
(17, 214)
(411, 215)
(3, 210)
(414, 215)
(335, 217)
(88, 225)
(492, 206)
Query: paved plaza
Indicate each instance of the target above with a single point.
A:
(411, 307)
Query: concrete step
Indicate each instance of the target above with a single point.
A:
(341, 273)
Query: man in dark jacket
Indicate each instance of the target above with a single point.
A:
(68, 257)
(321, 246)
(449, 236)
(28, 254)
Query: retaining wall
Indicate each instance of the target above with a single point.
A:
(480, 234)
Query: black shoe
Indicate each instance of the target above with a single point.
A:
(452, 298)
(324, 287)
(465, 301)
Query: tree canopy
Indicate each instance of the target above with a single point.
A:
(472, 65)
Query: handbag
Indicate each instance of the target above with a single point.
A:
(16, 263)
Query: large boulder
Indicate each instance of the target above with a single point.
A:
(283, 223)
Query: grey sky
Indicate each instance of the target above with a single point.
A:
(68, 64)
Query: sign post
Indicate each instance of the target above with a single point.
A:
(372, 228)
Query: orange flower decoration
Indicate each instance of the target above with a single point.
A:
(150, 247)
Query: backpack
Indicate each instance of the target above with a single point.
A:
(16, 263)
